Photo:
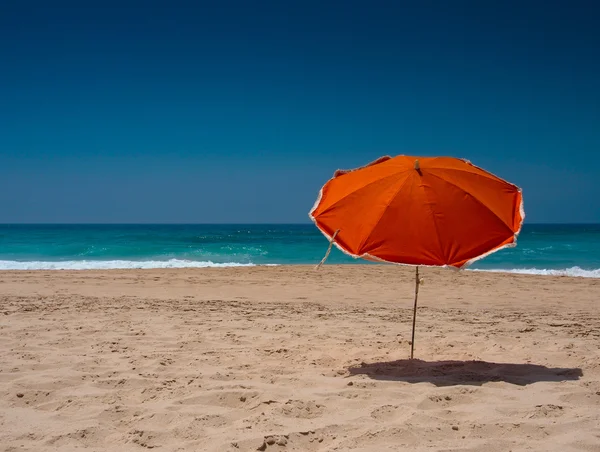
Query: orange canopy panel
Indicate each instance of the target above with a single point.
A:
(440, 211)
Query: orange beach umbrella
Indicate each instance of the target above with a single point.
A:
(433, 211)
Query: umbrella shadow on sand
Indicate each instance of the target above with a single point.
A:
(450, 373)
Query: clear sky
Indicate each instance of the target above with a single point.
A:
(227, 111)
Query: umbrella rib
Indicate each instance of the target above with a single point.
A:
(487, 175)
(435, 225)
(355, 191)
(476, 200)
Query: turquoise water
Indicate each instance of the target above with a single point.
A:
(543, 249)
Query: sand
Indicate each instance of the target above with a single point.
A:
(290, 359)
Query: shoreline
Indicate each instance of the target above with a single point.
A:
(118, 265)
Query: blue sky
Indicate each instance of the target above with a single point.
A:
(240, 111)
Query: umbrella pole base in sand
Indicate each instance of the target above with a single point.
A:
(417, 283)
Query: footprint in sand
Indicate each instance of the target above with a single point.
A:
(212, 420)
(230, 399)
(149, 440)
(437, 401)
(388, 412)
(302, 410)
(544, 411)
(305, 441)
(85, 436)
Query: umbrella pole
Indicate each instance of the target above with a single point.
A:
(412, 343)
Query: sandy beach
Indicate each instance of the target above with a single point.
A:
(291, 359)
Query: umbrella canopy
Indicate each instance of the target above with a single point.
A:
(438, 211)
(434, 211)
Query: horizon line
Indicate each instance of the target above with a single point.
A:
(305, 223)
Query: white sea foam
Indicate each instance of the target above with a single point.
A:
(180, 263)
(115, 264)
(573, 271)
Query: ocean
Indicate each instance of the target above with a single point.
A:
(572, 250)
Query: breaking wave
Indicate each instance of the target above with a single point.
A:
(114, 264)
(183, 263)
(573, 271)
